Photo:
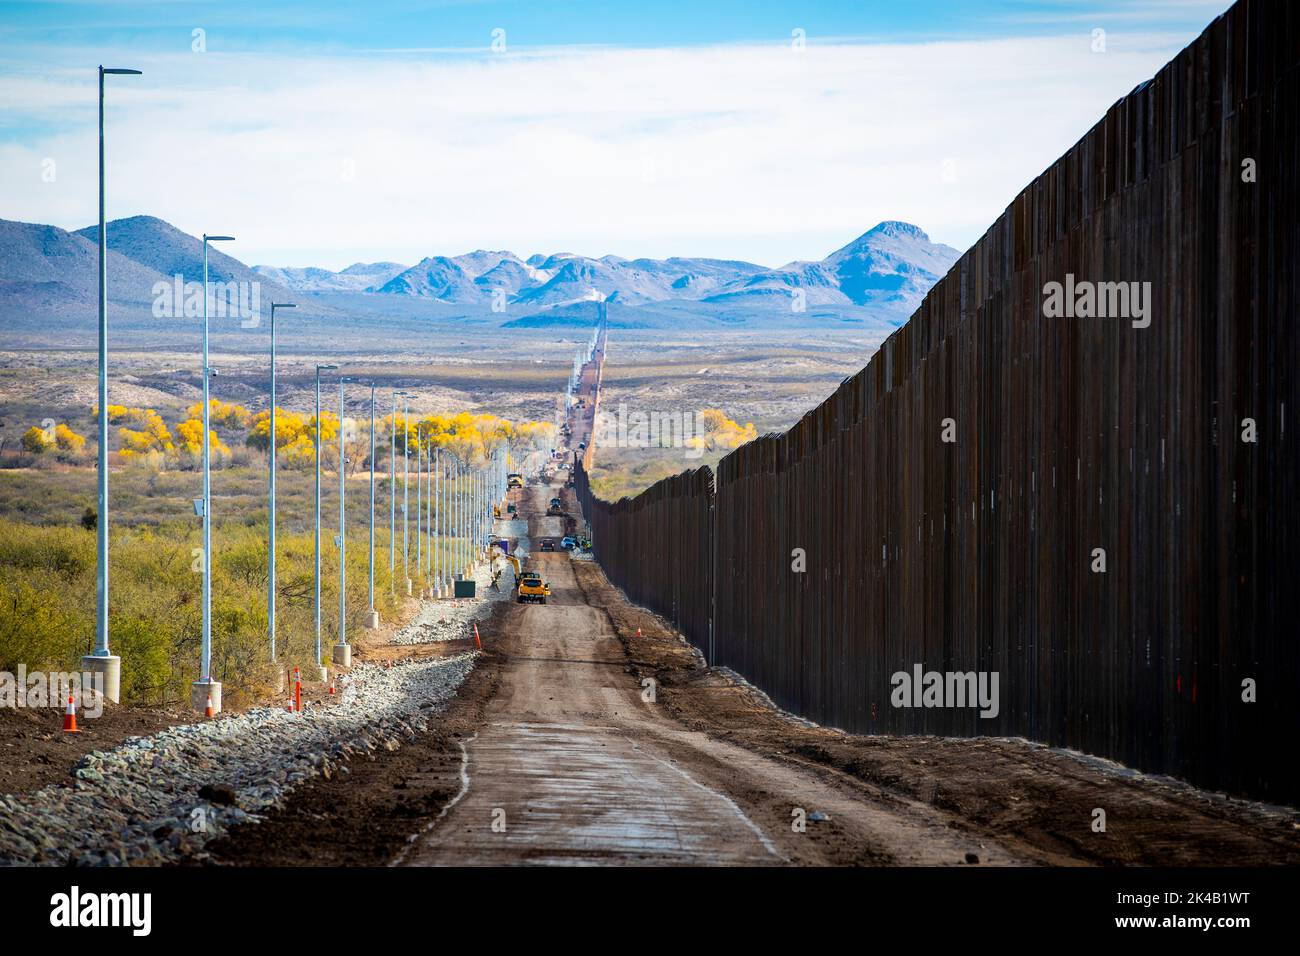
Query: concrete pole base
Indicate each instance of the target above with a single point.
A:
(408, 587)
(278, 678)
(438, 593)
(111, 669)
(201, 691)
(372, 620)
(342, 655)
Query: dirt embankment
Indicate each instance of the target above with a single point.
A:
(35, 752)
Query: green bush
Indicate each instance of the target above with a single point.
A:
(47, 600)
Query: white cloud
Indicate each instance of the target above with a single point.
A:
(741, 151)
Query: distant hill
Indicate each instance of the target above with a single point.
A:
(164, 249)
(48, 281)
(891, 265)
(358, 277)
(45, 267)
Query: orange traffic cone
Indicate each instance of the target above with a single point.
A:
(207, 711)
(70, 718)
(476, 640)
(638, 632)
(297, 690)
(331, 685)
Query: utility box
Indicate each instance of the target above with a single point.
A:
(464, 588)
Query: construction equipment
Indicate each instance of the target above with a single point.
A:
(555, 507)
(500, 552)
(514, 480)
(496, 511)
(532, 589)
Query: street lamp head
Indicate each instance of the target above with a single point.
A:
(116, 71)
(325, 368)
(207, 238)
(284, 305)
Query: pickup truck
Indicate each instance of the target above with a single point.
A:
(532, 589)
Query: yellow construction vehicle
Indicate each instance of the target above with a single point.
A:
(533, 589)
(514, 480)
(496, 511)
(555, 507)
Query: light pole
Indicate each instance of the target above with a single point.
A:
(444, 561)
(101, 661)
(342, 652)
(372, 617)
(436, 547)
(205, 689)
(419, 510)
(406, 490)
(316, 609)
(460, 518)
(392, 501)
(270, 564)
(429, 520)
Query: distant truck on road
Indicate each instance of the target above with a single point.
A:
(555, 507)
(514, 480)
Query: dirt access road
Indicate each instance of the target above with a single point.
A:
(551, 753)
(576, 763)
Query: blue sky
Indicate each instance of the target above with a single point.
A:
(334, 132)
(246, 25)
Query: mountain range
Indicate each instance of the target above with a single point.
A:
(892, 265)
(48, 283)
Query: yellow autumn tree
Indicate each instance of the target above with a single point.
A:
(37, 441)
(289, 427)
(721, 433)
(295, 437)
(153, 436)
(190, 435)
(67, 439)
(224, 414)
(468, 436)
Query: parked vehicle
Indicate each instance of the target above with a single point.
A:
(568, 544)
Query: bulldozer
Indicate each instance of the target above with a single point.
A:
(555, 507)
(514, 480)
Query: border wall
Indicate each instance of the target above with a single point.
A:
(1072, 434)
